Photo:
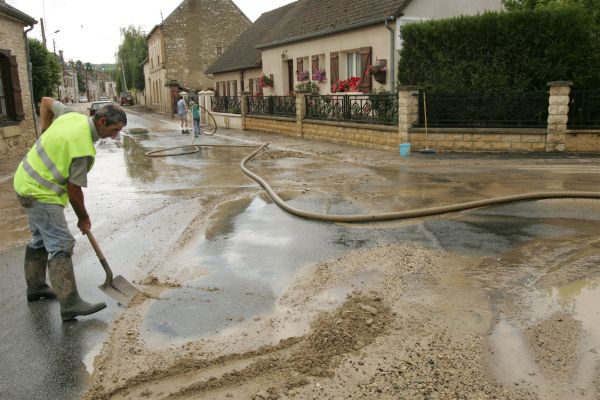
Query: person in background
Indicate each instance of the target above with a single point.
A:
(51, 175)
(182, 110)
(196, 118)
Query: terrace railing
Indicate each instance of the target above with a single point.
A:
(226, 104)
(584, 110)
(500, 109)
(361, 108)
(272, 105)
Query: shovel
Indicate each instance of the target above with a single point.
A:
(118, 288)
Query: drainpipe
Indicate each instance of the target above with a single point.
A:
(30, 78)
(392, 53)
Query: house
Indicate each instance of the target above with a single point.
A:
(184, 45)
(17, 120)
(329, 40)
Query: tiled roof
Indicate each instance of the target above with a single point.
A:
(300, 20)
(17, 14)
(242, 53)
(313, 18)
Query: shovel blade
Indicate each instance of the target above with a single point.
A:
(120, 290)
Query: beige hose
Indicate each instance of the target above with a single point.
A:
(407, 214)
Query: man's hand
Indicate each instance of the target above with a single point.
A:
(76, 199)
(84, 225)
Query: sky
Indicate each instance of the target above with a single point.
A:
(89, 30)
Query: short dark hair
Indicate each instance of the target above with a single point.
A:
(113, 113)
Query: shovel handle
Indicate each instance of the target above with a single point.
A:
(107, 270)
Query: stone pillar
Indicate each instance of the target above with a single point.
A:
(408, 110)
(244, 107)
(558, 115)
(300, 111)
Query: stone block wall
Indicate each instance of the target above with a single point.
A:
(283, 126)
(479, 140)
(582, 141)
(192, 34)
(17, 138)
(358, 135)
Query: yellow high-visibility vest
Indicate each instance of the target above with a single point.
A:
(44, 172)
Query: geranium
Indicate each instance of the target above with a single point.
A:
(375, 69)
(348, 85)
(265, 81)
(302, 76)
(318, 75)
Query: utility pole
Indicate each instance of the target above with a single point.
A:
(43, 31)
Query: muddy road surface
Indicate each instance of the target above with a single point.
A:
(242, 300)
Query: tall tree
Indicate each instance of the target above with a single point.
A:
(592, 6)
(81, 83)
(45, 71)
(132, 52)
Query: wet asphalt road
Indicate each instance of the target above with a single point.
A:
(253, 249)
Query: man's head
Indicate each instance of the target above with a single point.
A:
(109, 120)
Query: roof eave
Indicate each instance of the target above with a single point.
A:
(12, 12)
(323, 33)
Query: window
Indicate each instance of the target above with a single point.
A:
(11, 105)
(219, 50)
(353, 65)
(157, 61)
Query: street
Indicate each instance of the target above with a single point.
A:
(230, 277)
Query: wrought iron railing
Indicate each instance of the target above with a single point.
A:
(272, 105)
(584, 109)
(226, 104)
(362, 108)
(499, 109)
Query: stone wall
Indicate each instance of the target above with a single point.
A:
(283, 126)
(379, 137)
(192, 34)
(16, 138)
(582, 141)
(479, 139)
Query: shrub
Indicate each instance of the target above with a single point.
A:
(520, 51)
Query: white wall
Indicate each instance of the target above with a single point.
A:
(377, 37)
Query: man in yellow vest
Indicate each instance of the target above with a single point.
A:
(50, 176)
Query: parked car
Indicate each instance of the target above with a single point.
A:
(102, 98)
(83, 99)
(126, 99)
(96, 105)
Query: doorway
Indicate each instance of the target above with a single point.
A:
(290, 75)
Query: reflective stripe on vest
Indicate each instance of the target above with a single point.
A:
(59, 190)
(58, 177)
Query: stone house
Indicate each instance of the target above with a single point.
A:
(184, 45)
(17, 120)
(339, 39)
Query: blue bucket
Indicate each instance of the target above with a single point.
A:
(405, 149)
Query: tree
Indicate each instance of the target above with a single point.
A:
(81, 83)
(131, 54)
(592, 6)
(45, 71)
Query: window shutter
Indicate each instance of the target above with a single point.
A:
(299, 64)
(365, 65)
(335, 67)
(315, 63)
(16, 88)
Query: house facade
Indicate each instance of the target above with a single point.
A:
(324, 41)
(17, 122)
(185, 44)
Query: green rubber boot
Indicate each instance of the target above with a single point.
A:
(63, 282)
(35, 275)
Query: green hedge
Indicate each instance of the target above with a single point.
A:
(519, 51)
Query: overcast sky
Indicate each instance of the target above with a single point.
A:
(89, 30)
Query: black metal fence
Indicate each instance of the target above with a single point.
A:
(584, 109)
(226, 104)
(272, 105)
(362, 108)
(500, 109)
